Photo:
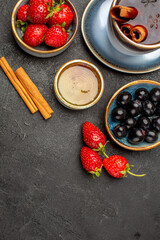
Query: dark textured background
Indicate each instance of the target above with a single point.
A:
(44, 192)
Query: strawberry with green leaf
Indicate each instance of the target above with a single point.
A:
(56, 36)
(91, 161)
(37, 13)
(60, 13)
(22, 13)
(118, 166)
(93, 137)
(22, 18)
(34, 34)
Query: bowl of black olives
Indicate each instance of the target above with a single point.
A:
(132, 116)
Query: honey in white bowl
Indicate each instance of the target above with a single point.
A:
(78, 84)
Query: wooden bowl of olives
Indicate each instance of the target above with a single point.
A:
(132, 116)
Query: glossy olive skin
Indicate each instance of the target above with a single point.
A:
(130, 122)
(155, 95)
(136, 136)
(148, 108)
(138, 115)
(120, 131)
(119, 114)
(142, 94)
(158, 109)
(124, 99)
(135, 108)
(156, 124)
(143, 122)
(151, 136)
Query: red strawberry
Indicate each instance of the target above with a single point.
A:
(37, 13)
(60, 14)
(22, 13)
(91, 161)
(118, 166)
(40, 1)
(55, 37)
(93, 136)
(34, 34)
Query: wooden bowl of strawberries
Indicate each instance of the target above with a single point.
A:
(44, 28)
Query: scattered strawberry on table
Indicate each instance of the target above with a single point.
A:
(117, 166)
(92, 136)
(57, 17)
(91, 161)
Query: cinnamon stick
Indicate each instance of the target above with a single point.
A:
(138, 33)
(18, 86)
(34, 93)
(122, 13)
(42, 110)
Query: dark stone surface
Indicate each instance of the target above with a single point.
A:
(44, 192)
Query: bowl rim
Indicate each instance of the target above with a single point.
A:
(37, 50)
(107, 115)
(129, 41)
(66, 103)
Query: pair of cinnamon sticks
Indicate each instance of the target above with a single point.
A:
(27, 89)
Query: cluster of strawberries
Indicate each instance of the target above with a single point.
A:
(44, 21)
(117, 166)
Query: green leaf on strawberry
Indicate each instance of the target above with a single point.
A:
(63, 24)
(58, 9)
(97, 172)
(22, 25)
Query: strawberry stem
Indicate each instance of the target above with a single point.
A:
(136, 175)
(103, 151)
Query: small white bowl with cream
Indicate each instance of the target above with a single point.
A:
(78, 84)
